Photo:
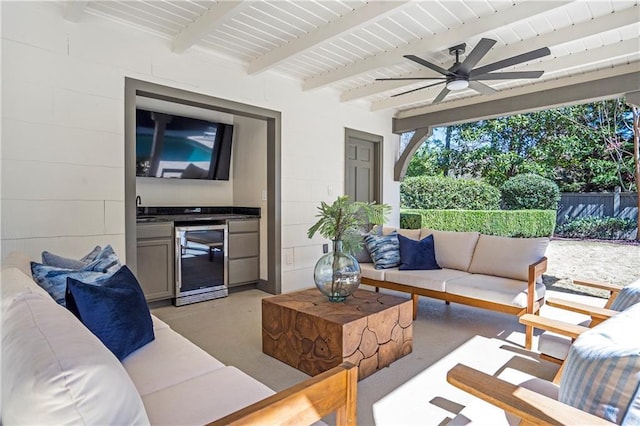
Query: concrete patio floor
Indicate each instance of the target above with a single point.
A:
(413, 390)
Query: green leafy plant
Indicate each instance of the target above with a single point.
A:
(529, 191)
(342, 220)
(607, 228)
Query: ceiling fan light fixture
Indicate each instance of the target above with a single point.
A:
(458, 84)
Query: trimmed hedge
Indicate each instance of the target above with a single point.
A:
(437, 192)
(530, 191)
(504, 223)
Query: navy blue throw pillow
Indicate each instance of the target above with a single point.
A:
(115, 311)
(417, 255)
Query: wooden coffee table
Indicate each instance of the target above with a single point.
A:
(306, 331)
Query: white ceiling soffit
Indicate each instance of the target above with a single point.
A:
(345, 45)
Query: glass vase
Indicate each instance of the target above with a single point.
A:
(337, 274)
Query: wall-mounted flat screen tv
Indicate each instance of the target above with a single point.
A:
(177, 147)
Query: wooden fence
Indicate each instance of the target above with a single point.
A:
(597, 204)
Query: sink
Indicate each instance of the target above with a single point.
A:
(145, 218)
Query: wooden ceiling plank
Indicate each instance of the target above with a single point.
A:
(348, 23)
(207, 22)
(437, 42)
(74, 9)
(605, 23)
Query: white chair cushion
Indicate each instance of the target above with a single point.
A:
(504, 291)
(433, 279)
(556, 345)
(506, 257)
(602, 370)
(454, 250)
(55, 371)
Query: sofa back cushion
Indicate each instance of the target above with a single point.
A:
(602, 372)
(454, 250)
(506, 257)
(54, 371)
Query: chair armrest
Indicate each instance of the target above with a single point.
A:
(334, 390)
(602, 286)
(596, 313)
(613, 289)
(556, 326)
(532, 407)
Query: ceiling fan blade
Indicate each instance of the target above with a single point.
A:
(441, 95)
(428, 64)
(409, 78)
(415, 90)
(482, 88)
(514, 60)
(508, 75)
(478, 52)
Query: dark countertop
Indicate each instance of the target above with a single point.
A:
(195, 214)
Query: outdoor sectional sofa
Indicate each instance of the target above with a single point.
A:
(55, 371)
(498, 273)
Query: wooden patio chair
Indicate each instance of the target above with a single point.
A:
(554, 342)
(600, 382)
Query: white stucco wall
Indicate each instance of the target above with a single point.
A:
(63, 132)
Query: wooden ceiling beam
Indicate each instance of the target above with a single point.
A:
(215, 16)
(349, 23)
(605, 84)
(437, 42)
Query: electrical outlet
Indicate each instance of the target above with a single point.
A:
(264, 195)
(325, 248)
(288, 257)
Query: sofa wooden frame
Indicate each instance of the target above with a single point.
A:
(334, 390)
(535, 271)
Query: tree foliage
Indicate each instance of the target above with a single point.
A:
(582, 148)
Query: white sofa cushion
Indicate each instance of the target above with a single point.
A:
(205, 398)
(505, 256)
(167, 360)
(414, 234)
(504, 291)
(369, 270)
(55, 371)
(15, 282)
(433, 279)
(454, 250)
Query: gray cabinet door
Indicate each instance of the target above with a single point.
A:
(155, 252)
(244, 252)
(155, 268)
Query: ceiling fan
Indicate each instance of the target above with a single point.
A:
(462, 74)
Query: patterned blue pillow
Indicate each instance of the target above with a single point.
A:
(602, 371)
(115, 311)
(106, 261)
(54, 280)
(384, 250)
(628, 296)
(52, 259)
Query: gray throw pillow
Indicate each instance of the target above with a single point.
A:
(51, 259)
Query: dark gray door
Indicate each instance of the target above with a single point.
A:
(362, 166)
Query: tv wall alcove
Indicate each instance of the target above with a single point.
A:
(138, 88)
